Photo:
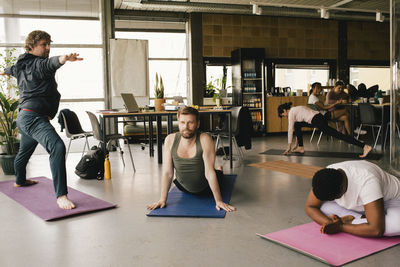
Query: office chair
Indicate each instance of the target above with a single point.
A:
(98, 134)
(73, 130)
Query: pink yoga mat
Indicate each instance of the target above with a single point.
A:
(335, 249)
(40, 199)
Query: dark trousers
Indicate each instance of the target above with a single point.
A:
(34, 129)
(321, 123)
(205, 191)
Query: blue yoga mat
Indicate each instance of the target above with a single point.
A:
(181, 204)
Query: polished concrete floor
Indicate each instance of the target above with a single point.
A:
(266, 201)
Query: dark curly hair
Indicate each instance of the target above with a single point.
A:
(34, 37)
(327, 184)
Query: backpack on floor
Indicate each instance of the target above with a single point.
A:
(91, 165)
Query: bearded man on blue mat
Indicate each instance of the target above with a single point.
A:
(355, 197)
(192, 155)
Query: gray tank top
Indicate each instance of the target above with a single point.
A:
(189, 171)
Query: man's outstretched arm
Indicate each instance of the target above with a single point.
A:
(70, 57)
(207, 145)
(167, 174)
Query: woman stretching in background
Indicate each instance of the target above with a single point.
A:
(302, 116)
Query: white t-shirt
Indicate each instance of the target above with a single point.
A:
(366, 183)
(312, 99)
(299, 114)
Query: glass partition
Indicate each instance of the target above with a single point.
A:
(395, 85)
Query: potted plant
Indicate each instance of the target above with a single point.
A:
(8, 114)
(159, 94)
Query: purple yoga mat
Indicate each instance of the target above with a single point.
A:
(337, 249)
(40, 199)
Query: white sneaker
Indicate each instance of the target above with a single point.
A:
(362, 132)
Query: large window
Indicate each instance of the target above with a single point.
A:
(81, 84)
(300, 77)
(167, 56)
(216, 72)
(370, 76)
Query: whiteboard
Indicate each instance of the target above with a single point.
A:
(129, 67)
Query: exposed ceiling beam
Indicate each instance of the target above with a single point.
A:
(341, 3)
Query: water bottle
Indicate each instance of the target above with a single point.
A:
(107, 168)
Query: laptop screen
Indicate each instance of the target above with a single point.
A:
(130, 102)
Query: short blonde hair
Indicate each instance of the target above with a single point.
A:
(34, 37)
(189, 110)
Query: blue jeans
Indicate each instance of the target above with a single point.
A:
(34, 129)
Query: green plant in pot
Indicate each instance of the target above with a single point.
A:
(8, 114)
(159, 93)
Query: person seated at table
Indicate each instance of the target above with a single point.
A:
(341, 114)
(302, 116)
(314, 99)
(355, 197)
(192, 155)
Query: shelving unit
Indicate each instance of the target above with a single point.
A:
(248, 84)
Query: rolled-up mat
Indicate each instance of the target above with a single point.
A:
(298, 169)
(323, 154)
(337, 249)
(181, 204)
(40, 199)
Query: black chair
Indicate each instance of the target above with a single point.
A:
(73, 130)
(242, 128)
(369, 117)
(98, 134)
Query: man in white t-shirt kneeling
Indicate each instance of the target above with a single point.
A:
(355, 197)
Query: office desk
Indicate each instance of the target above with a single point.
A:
(150, 116)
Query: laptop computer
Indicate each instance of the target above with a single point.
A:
(130, 103)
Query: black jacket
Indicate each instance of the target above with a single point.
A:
(37, 84)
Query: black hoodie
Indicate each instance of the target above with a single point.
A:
(37, 84)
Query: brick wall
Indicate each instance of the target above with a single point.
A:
(368, 40)
(284, 37)
(280, 36)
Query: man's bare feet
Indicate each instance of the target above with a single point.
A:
(366, 149)
(27, 183)
(219, 168)
(299, 149)
(64, 203)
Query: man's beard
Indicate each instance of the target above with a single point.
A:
(46, 54)
(188, 134)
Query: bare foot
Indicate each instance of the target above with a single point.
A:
(219, 168)
(367, 149)
(64, 203)
(27, 183)
(299, 149)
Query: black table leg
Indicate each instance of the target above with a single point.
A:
(159, 139)
(103, 134)
(230, 138)
(151, 145)
(170, 128)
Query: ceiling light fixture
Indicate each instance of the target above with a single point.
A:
(324, 13)
(256, 9)
(379, 16)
